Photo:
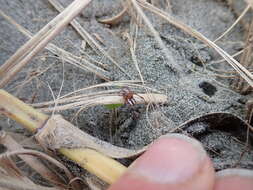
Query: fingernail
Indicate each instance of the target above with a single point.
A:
(234, 179)
(235, 172)
(174, 158)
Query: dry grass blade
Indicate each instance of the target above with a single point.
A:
(156, 35)
(134, 58)
(233, 25)
(133, 44)
(94, 184)
(81, 63)
(24, 54)
(128, 83)
(87, 37)
(246, 60)
(250, 2)
(33, 162)
(223, 60)
(115, 19)
(11, 183)
(11, 176)
(103, 99)
(9, 168)
(84, 98)
(244, 73)
(39, 155)
(85, 92)
(70, 99)
(63, 54)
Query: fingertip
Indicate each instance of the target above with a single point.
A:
(234, 179)
(172, 162)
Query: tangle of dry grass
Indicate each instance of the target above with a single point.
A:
(25, 53)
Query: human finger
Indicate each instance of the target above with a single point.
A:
(174, 162)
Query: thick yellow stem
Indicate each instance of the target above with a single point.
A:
(102, 166)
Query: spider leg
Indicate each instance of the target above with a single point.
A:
(140, 97)
(131, 101)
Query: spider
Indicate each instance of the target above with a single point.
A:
(128, 96)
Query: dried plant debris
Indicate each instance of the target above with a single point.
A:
(11, 145)
(164, 46)
(9, 170)
(58, 133)
(25, 53)
(11, 183)
(247, 60)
